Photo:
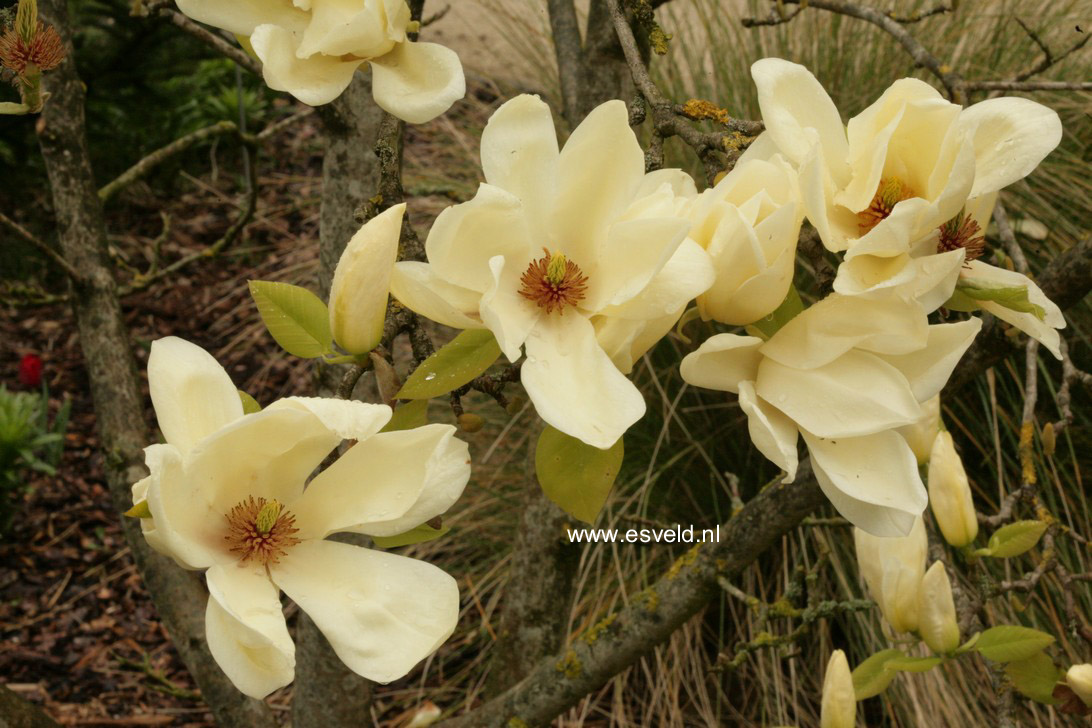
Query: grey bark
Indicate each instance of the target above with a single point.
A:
(179, 596)
(327, 693)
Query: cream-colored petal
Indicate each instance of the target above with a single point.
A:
(791, 100)
(929, 279)
(928, 369)
(504, 311)
(687, 274)
(466, 236)
(345, 419)
(857, 394)
(872, 481)
(167, 477)
(243, 16)
(600, 170)
(246, 631)
(316, 80)
(1011, 136)
(771, 431)
(630, 256)
(573, 383)
(520, 155)
(722, 362)
(342, 27)
(417, 287)
(382, 613)
(626, 340)
(362, 280)
(679, 182)
(1045, 330)
(192, 394)
(417, 82)
(386, 484)
(837, 324)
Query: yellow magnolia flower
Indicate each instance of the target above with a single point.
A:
(312, 48)
(936, 611)
(226, 493)
(1079, 680)
(892, 569)
(921, 434)
(838, 708)
(844, 374)
(950, 493)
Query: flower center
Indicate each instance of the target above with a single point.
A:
(553, 281)
(260, 530)
(962, 232)
(891, 191)
(43, 48)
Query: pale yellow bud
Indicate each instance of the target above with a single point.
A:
(362, 281)
(920, 435)
(839, 705)
(426, 716)
(892, 569)
(1079, 680)
(950, 493)
(936, 611)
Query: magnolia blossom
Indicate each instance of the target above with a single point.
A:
(1079, 680)
(892, 570)
(576, 258)
(920, 435)
(950, 493)
(936, 611)
(311, 48)
(838, 708)
(907, 187)
(226, 493)
(844, 374)
(749, 223)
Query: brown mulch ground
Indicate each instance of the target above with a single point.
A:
(78, 633)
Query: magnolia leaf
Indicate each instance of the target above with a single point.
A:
(13, 108)
(1015, 539)
(296, 318)
(420, 534)
(139, 510)
(463, 358)
(786, 312)
(1035, 677)
(1011, 297)
(408, 415)
(575, 475)
(1009, 643)
(250, 405)
(913, 664)
(872, 676)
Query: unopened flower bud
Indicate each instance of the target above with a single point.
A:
(515, 404)
(426, 716)
(1079, 679)
(362, 279)
(469, 422)
(839, 704)
(892, 569)
(936, 611)
(921, 434)
(950, 493)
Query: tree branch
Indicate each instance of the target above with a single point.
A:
(570, 55)
(56, 258)
(560, 681)
(209, 38)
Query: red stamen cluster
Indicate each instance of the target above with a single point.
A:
(45, 50)
(890, 192)
(962, 232)
(550, 292)
(246, 539)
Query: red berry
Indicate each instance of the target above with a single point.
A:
(30, 370)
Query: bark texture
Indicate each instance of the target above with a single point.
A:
(179, 596)
(18, 713)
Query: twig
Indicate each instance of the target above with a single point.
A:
(213, 40)
(54, 257)
(1008, 238)
(1049, 59)
(1027, 85)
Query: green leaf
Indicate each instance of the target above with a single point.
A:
(1035, 677)
(420, 534)
(465, 357)
(913, 664)
(1015, 538)
(786, 312)
(575, 475)
(295, 317)
(969, 644)
(139, 510)
(408, 415)
(872, 676)
(1011, 297)
(1009, 643)
(250, 405)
